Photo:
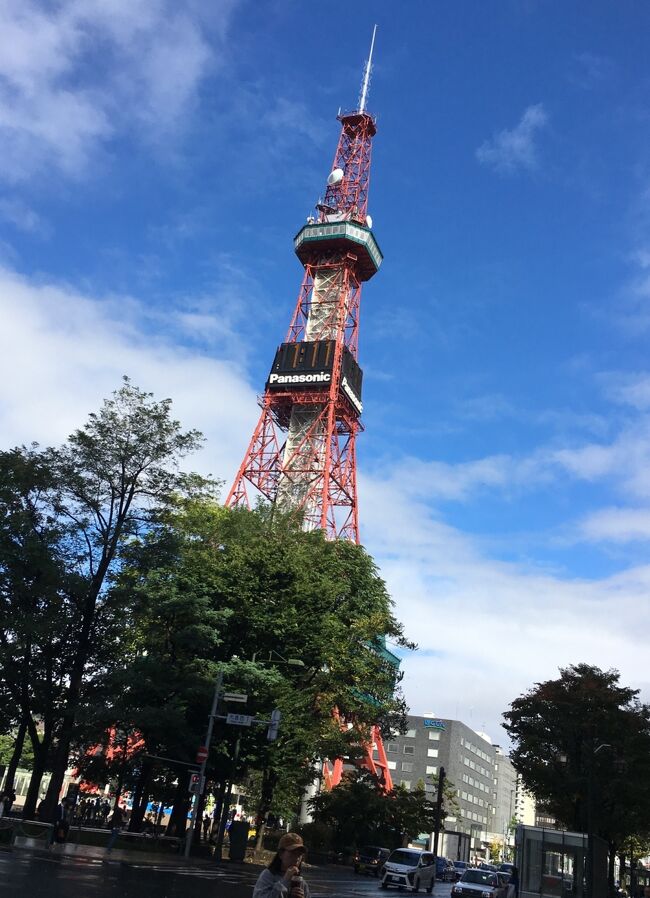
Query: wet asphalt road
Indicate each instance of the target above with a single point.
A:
(23, 875)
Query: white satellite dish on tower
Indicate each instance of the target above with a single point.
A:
(369, 221)
(335, 177)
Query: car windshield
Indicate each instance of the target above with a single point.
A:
(480, 876)
(410, 858)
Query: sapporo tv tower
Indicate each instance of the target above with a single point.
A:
(302, 452)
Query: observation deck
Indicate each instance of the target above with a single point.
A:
(314, 240)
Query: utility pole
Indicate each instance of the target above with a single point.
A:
(204, 761)
(436, 832)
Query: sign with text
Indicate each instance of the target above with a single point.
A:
(433, 724)
(239, 720)
(235, 697)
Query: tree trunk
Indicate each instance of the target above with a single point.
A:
(178, 820)
(633, 877)
(34, 788)
(78, 667)
(611, 858)
(198, 823)
(140, 797)
(16, 756)
(269, 781)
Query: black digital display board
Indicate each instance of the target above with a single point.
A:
(308, 365)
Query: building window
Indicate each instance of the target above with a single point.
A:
(392, 765)
(432, 753)
(410, 734)
(406, 784)
(407, 767)
(434, 735)
(409, 749)
(391, 747)
(432, 769)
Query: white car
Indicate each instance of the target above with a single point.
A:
(411, 869)
(480, 884)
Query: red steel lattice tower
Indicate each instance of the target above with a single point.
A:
(302, 452)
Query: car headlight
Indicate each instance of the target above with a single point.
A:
(486, 894)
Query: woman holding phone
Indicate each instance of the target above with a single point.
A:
(282, 877)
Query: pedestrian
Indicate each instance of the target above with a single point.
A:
(61, 826)
(282, 879)
(514, 880)
(116, 824)
(9, 798)
(206, 827)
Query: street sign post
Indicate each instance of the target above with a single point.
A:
(201, 754)
(235, 697)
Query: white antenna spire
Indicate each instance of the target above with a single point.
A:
(366, 75)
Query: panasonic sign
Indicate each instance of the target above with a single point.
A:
(317, 377)
(347, 389)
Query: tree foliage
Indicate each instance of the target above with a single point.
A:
(211, 589)
(359, 813)
(67, 515)
(583, 739)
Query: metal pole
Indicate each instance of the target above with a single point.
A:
(208, 738)
(436, 831)
(590, 835)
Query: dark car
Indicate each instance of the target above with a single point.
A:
(459, 868)
(445, 870)
(477, 883)
(371, 859)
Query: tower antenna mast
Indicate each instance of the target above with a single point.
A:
(366, 75)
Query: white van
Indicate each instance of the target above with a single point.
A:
(410, 868)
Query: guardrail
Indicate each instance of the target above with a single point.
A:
(33, 833)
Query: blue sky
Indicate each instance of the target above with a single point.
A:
(158, 158)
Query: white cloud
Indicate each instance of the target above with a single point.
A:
(75, 75)
(511, 150)
(21, 216)
(628, 389)
(488, 630)
(617, 525)
(62, 352)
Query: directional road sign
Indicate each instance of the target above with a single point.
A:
(240, 720)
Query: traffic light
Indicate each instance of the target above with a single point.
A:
(195, 779)
(274, 724)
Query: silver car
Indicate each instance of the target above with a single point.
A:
(480, 884)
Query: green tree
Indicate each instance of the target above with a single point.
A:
(87, 500)
(355, 812)
(37, 612)
(359, 812)
(212, 588)
(582, 745)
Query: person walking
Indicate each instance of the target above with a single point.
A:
(282, 877)
(116, 823)
(61, 826)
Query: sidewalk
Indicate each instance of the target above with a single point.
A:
(97, 854)
(92, 854)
